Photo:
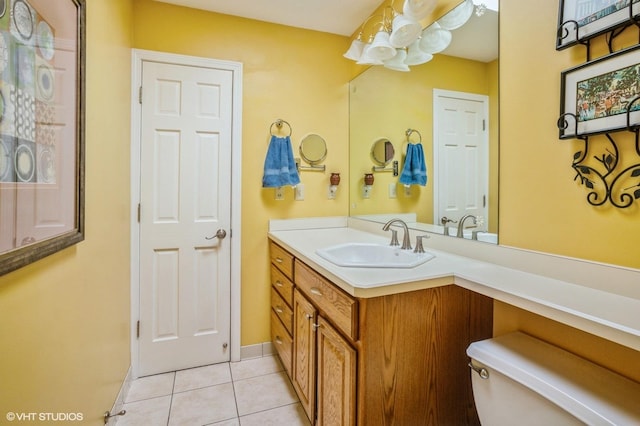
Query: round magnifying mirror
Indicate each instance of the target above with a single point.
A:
(313, 149)
(382, 152)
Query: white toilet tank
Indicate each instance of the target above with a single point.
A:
(531, 382)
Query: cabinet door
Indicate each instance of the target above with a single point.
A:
(304, 349)
(336, 378)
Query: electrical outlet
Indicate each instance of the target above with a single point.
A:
(299, 189)
(392, 190)
(331, 192)
(280, 193)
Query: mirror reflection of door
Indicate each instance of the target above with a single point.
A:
(461, 155)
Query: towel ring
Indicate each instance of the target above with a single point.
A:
(278, 123)
(409, 132)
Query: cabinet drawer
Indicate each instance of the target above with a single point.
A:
(282, 284)
(282, 259)
(281, 309)
(282, 341)
(339, 307)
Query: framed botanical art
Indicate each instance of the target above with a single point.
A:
(580, 20)
(602, 95)
(42, 92)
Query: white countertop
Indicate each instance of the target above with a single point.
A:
(609, 315)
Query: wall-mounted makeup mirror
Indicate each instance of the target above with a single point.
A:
(313, 149)
(382, 152)
(469, 65)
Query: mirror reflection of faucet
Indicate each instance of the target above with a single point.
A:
(445, 221)
(460, 233)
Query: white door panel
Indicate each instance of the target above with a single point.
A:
(461, 149)
(185, 191)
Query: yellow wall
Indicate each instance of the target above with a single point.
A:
(541, 207)
(64, 320)
(297, 75)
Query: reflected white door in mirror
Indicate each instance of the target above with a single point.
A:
(461, 157)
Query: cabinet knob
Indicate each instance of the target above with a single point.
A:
(278, 260)
(278, 340)
(308, 316)
(315, 326)
(278, 283)
(278, 309)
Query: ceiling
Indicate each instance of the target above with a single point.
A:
(330, 16)
(477, 40)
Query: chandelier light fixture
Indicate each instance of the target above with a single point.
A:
(398, 41)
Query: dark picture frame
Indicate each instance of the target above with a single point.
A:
(42, 128)
(601, 96)
(581, 20)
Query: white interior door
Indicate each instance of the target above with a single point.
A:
(185, 190)
(461, 155)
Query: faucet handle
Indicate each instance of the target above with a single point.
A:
(419, 248)
(394, 238)
(445, 220)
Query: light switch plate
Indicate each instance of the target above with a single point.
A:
(393, 190)
(299, 192)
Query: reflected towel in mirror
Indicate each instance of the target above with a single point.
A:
(414, 171)
(279, 164)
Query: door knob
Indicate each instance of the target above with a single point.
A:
(220, 234)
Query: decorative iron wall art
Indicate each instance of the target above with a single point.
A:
(603, 97)
(42, 53)
(581, 20)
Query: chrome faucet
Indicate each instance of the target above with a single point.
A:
(406, 243)
(461, 224)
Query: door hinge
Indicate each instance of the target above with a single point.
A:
(484, 201)
(140, 95)
(139, 212)
(138, 330)
(484, 122)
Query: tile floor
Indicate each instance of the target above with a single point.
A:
(251, 392)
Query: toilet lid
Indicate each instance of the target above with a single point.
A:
(591, 393)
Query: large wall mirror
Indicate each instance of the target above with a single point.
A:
(447, 99)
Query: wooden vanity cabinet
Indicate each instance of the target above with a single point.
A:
(398, 359)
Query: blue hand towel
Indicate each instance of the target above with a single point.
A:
(414, 171)
(279, 166)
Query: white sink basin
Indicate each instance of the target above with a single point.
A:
(363, 255)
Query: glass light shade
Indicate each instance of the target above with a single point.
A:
(435, 39)
(415, 55)
(381, 49)
(355, 50)
(418, 9)
(397, 62)
(458, 16)
(365, 59)
(405, 31)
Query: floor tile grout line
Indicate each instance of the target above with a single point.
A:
(173, 387)
(235, 398)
